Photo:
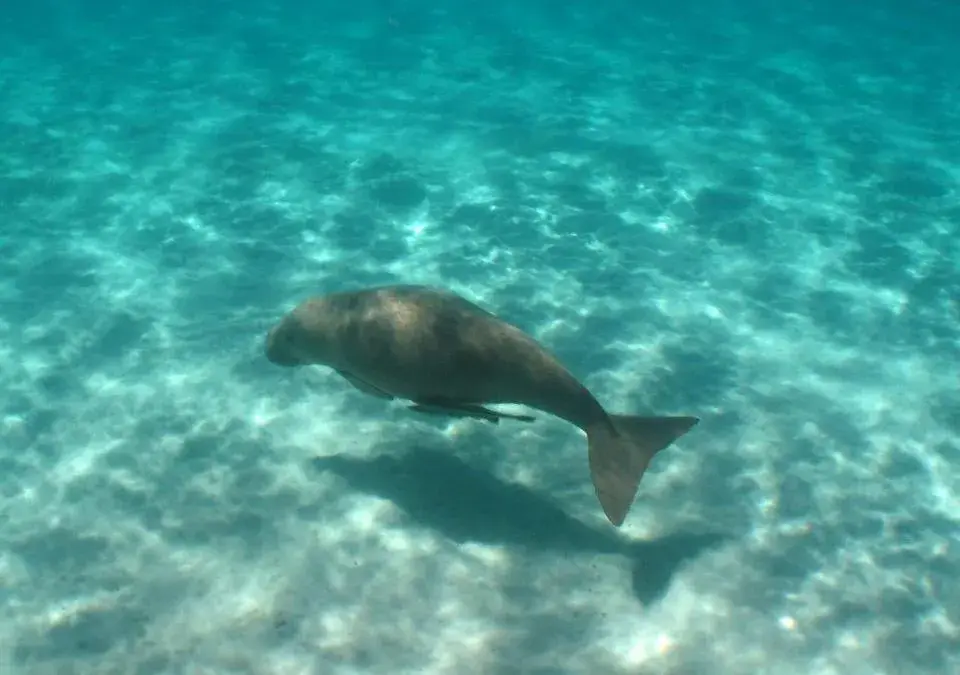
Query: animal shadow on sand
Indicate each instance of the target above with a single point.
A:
(465, 504)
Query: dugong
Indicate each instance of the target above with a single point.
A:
(446, 355)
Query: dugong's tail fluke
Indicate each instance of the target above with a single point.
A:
(619, 456)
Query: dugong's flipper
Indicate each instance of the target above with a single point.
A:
(455, 409)
(365, 387)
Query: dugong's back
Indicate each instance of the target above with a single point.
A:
(417, 342)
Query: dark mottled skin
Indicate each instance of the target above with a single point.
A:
(419, 343)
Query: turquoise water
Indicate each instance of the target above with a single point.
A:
(742, 212)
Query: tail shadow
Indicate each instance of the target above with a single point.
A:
(465, 504)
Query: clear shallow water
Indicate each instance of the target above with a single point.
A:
(749, 215)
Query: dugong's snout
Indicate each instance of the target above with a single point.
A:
(278, 348)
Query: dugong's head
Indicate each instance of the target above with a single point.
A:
(304, 336)
(281, 343)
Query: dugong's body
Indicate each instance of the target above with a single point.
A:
(447, 355)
